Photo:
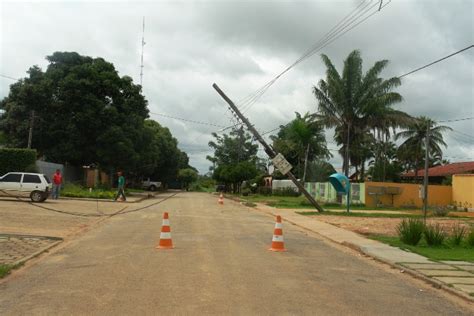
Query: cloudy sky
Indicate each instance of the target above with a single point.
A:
(241, 45)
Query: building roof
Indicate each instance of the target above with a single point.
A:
(443, 171)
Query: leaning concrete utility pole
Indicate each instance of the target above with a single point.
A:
(278, 159)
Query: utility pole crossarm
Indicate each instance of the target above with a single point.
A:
(268, 149)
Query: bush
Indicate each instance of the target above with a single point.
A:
(286, 192)
(470, 237)
(246, 191)
(434, 235)
(16, 159)
(264, 190)
(410, 231)
(440, 211)
(73, 190)
(457, 234)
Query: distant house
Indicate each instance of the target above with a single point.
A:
(439, 173)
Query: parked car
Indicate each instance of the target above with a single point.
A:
(23, 184)
(151, 185)
(220, 188)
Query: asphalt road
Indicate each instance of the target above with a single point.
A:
(220, 266)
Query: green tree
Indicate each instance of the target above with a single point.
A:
(171, 159)
(187, 176)
(412, 150)
(353, 103)
(301, 141)
(83, 112)
(235, 158)
(319, 171)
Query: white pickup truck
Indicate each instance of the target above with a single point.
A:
(151, 185)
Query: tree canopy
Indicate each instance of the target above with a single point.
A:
(84, 112)
(354, 103)
(235, 158)
(301, 141)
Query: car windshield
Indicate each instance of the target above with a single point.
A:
(47, 179)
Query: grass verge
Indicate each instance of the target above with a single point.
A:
(369, 214)
(77, 191)
(443, 252)
(6, 268)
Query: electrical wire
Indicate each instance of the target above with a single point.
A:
(186, 120)
(8, 77)
(330, 37)
(436, 61)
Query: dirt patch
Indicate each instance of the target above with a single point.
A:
(385, 226)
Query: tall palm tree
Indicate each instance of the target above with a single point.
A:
(413, 148)
(354, 102)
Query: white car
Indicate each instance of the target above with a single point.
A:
(151, 185)
(23, 184)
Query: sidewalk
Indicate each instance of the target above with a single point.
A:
(454, 276)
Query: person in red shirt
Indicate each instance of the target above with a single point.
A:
(57, 181)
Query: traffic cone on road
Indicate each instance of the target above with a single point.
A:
(165, 236)
(277, 240)
(221, 199)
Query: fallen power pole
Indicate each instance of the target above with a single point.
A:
(278, 160)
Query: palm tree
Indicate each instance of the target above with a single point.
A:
(301, 141)
(355, 103)
(412, 149)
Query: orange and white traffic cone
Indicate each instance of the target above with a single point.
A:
(277, 240)
(221, 199)
(165, 236)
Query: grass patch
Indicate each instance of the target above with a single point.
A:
(443, 252)
(6, 268)
(249, 204)
(77, 191)
(300, 202)
(370, 214)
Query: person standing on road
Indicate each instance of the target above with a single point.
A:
(121, 187)
(57, 181)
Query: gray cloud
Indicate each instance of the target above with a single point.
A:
(241, 45)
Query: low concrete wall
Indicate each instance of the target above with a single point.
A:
(463, 191)
(409, 194)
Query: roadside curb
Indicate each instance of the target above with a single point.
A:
(436, 284)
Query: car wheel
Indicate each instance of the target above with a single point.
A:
(152, 188)
(37, 196)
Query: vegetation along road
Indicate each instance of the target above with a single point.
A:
(220, 265)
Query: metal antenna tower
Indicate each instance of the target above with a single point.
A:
(143, 45)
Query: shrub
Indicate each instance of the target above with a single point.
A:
(434, 235)
(73, 190)
(286, 192)
(457, 235)
(246, 191)
(264, 190)
(470, 237)
(16, 159)
(410, 231)
(440, 211)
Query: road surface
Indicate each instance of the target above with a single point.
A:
(220, 265)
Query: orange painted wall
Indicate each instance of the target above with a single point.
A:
(440, 195)
(463, 191)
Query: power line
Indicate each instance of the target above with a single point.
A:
(463, 134)
(186, 120)
(344, 26)
(8, 77)
(456, 120)
(436, 61)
